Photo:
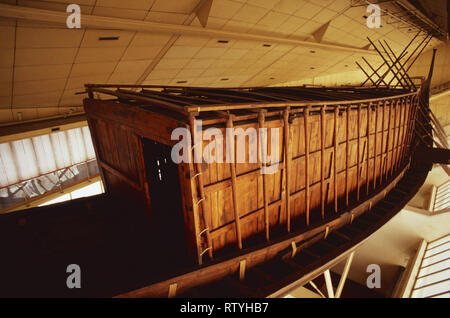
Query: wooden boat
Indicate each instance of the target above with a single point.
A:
(346, 165)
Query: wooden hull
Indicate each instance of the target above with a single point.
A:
(221, 278)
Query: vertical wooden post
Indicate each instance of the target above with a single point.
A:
(172, 290)
(375, 147)
(263, 152)
(232, 156)
(336, 111)
(322, 148)
(382, 143)
(388, 137)
(358, 150)
(347, 151)
(406, 119)
(306, 116)
(402, 128)
(288, 157)
(242, 270)
(202, 197)
(413, 111)
(369, 110)
(394, 138)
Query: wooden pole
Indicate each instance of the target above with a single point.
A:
(394, 138)
(232, 154)
(201, 190)
(399, 132)
(375, 147)
(288, 158)
(382, 143)
(263, 152)
(406, 118)
(306, 117)
(336, 111)
(329, 284)
(347, 151)
(358, 150)
(388, 137)
(344, 275)
(369, 110)
(322, 147)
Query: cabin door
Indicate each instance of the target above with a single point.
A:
(165, 198)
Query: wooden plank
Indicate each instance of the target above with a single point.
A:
(119, 174)
(172, 290)
(322, 173)
(375, 147)
(382, 143)
(394, 137)
(336, 112)
(307, 196)
(288, 150)
(369, 110)
(358, 125)
(347, 152)
(232, 154)
(262, 165)
(387, 142)
(344, 275)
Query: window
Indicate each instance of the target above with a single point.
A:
(433, 279)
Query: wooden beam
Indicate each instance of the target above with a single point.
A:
(382, 153)
(262, 165)
(172, 290)
(358, 150)
(100, 22)
(320, 32)
(329, 283)
(288, 158)
(201, 190)
(344, 275)
(203, 12)
(307, 194)
(242, 270)
(387, 141)
(394, 137)
(369, 110)
(375, 146)
(322, 165)
(336, 111)
(230, 148)
(347, 152)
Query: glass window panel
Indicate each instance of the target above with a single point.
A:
(438, 242)
(434, 268)
(432, 290)
(446, 295)
(61, 198)
(436, 258)
(89, 190)
(437, 249)
(433, 278)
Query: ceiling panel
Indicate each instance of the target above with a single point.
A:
(48, 38)
(44, 56)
